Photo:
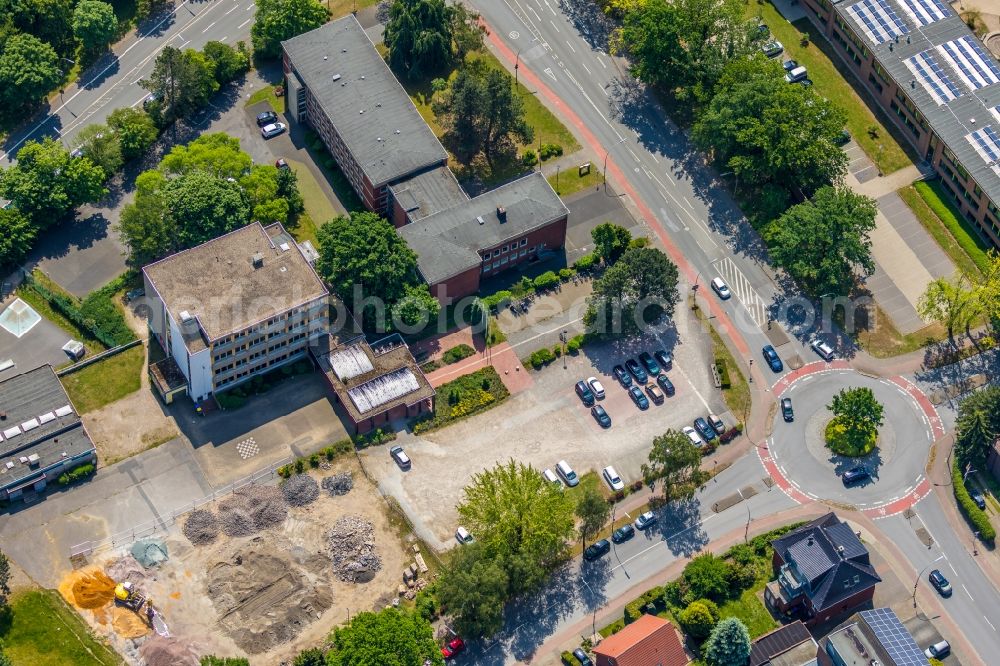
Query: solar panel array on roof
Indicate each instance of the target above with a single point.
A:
(879, 20)
(987, 144)
(925, 12)
(894, 637)
(350, 362)
(934, 79)
(384, 389)
(970, 60)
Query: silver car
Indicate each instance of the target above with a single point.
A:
(274, 129)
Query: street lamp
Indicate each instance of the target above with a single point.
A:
(562, 339)
(750, 371)
(517, 66)
(917, 581)
(606, 153)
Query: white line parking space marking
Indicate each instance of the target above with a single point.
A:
(989, 623)
(738, 283)
(967, 591)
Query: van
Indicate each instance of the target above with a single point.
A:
(550, 476)
(796, 75)
(567, 473)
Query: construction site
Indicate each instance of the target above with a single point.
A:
(263, 572)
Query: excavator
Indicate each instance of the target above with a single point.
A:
(126, 595)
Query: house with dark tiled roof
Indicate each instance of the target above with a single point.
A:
(790, 645)
(649, 641)
(823, 571)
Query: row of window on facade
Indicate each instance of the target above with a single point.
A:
(489, 254)
(257, 354)
(291, 328)
(250, 371)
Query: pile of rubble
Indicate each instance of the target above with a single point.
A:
(201, 527)
(351, 542)
(252, 509)
(338, 484)
(300, 490)
(413, 581)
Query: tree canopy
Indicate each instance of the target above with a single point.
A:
(17, 235)
(29, 69)
(135, 129)
(182, 81)
(858, 412)
(977, 425)
(610, 241)
(676, 462)
(419, 37)
(203, 207)
(728, 644)
(102, 146)
(474, 589)
(227, 62)
(824, 242)
(593, 511)
(94, 24)
(217, 154)
(636, 291)
(391, 637)
(952, 302)
(278, 20)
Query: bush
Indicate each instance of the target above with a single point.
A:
(729, 435)
(310, 657)
(498, 300)
(314, 460)
(541, 357)
(566, 273)
(546, 280)
(457, 353)
(550, 150)
(529, 158)
(573, 344)
(212, 660)
(706, 577)
(741, 576)
(723, 370)
(75, 474)
(696, 620)
(430, 366)
(96, 314)
(977, 517)
(568, 659)
(585, 263)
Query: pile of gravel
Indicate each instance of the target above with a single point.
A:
(300, 490)
(351, 542)
(252, 509)
(201, 527)
(338, 484)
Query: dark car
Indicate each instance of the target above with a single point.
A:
(582, 657)
(586, 395)
(706, 431)
(622, 375)
(601, 416)
(665, 384)
(655, 394)
(637, 371)
(979, 500)
(266, 118)
(597, 549)
(665, 359)
(789, 65)
(854, 475)
(650, 363)
(400, 457)
(786, 410)
(638, 397)
(623, 533)
(940, 583)
(772, 359)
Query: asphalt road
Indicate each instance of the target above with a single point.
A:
(114, 82)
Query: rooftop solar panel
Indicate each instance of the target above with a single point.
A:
(987, 144)
(974, 65)
(878, 19)
(894, 637)
(383, 390)
(925, 12)
(934, 79)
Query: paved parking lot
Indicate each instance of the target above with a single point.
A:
(589, 208)
(39, 346)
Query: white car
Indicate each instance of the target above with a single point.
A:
(693, 435)
(611, 476)
(597, 387)
(823, 349)
(463, 536)
(274, 129)
(399, 455)
(721, 288)
(938, 650)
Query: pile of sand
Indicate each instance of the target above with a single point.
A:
(126, 569)
(88, 589)
(159, 651)
(127, 623)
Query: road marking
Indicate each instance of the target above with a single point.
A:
(570, 46)
(548, 72)
(966, 589)
(245, 22)
(223, 38)
(605, 91)
(252, 5)
(601, 60)
(745, 292)
(654, 158)
(554, 25)
(665, 539)
(232, 10)
(532, 10)
(989, 623)
(550, 8)
(209, 27)
(587, 68)
(551, 330)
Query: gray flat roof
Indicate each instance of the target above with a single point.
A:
(448, 242)
(960, 93)
(38, 420)
(428, 193)
(364, 101)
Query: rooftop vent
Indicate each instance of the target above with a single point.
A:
(258, 260)
(397, 131)
(972, 120)
(285, 247)
(361, 111)
(343, 50)
(325, 57)
(810, 541)
(480, 219)
(362, 77)
(501, 214)
(185, 316)
(913, 83)
(336, 77)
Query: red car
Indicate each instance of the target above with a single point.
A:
(453, 647)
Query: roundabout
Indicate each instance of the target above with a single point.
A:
(801, 463)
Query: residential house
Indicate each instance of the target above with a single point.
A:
(873, 636)
(649, 641)
(790, 645)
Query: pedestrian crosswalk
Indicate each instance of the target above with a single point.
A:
(740, 286)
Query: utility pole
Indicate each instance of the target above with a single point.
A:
(517, 66)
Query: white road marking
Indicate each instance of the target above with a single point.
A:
(209, 27)
(245, 22)
(231, 10)
(550, 8)
(601, 60)
(746, 294)
(587, 68)
(554, 25)
(548, 72)
(532, 10)
(989, 623)
(660, 544)
(605, 91)
(966, 590)
(570, 46)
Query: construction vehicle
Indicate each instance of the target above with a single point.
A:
(126, 595)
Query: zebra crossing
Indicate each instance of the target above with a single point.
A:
(740, 285)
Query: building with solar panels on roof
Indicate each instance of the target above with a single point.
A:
(936, 81)
(873, 636)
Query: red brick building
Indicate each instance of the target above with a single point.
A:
(649, 641)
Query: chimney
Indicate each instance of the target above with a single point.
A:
(501, 214)
(810, 541)
(258, 260)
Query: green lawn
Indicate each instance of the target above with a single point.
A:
(340, 8)
(318, 211)
(106, 381)
(749, 608)
(44, 631)
(737, 396)
(568, 181)
(834, 81)
(42, 306)
(942, 219)
(266, 94)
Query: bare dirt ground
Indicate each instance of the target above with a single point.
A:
(268, 595)
(131, 425)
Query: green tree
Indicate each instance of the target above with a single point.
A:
(212, 660)
(610, 241)
(4, 659)
(310, 657)
(94, 24)
(951, 302)
(135, 129)
(466, 31)
(766, 131)
(46, 183)
(228, 62)
(183, 81)
(728, 645)
(48, 20)
(683, 45)
(278, 20)
(636, 291)
(391, 637)
(145, 225)
(419, 37)
(17, 235)
(4, 580)
(859, 413)
(217, 154)
(417, 305)
(676, 461)
(29, 69)
(706, 577)
(473, 590)
(593, 511)
(101, 146)
(203, 207)
(823, 243)
(697, 620)
(977, 425)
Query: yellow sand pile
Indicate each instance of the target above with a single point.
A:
(88, 589)
(127, 624)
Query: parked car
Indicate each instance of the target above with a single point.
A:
(463, 536)
(665, 384)
(566, 472)
(551, 477)
(650, 363)
(611, 476)
(693, 436)
(582, 657)
(637, 371)
(597, 549)
(772, 358)
(586, 395)
(979, 499)
(621, 374)
(706, 431)
(601, 416)
(824, 350)
(773, 48)
(655, 394)
(597, 387)
(638, 397)
(762, 30)
(399, 455)
(280, 163)
(805, 83)
(664, 358)
(645, 520)
(786, 410)
(716, 424)
(266, 118)
(938, 650)
(940, 583)
(453, 647)
(623, 533)
(720, 287)
(789, 65)
(855, 475)
(274, 129)
(797, 74)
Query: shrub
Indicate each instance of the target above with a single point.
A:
(568, 659)
(546, 280)
(300, 466)
(457, 353)
(75, 474)
(314, 460)
(212, 660)
(696, 620)
(723, 370)
(573, 344)
(284, 471)
(729, 436)
(706, 576)
(529, 158)
(740, 576)
(498, 300)
(566, 273)
(557, 350)
(977, 517)
(584, 263)
(430, 366)
(310, 657)
(550, 150)
(96, 314)
(639, 241)
(541, 357)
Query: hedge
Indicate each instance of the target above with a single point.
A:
(933, 194)
(75, 474)
(546, 280)
(550, 150)
(457, 353)
(96, 314)
(585, 262)
(568, 659)
(977, 517)
(541, 357)
(335, 450)
(499, 299)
